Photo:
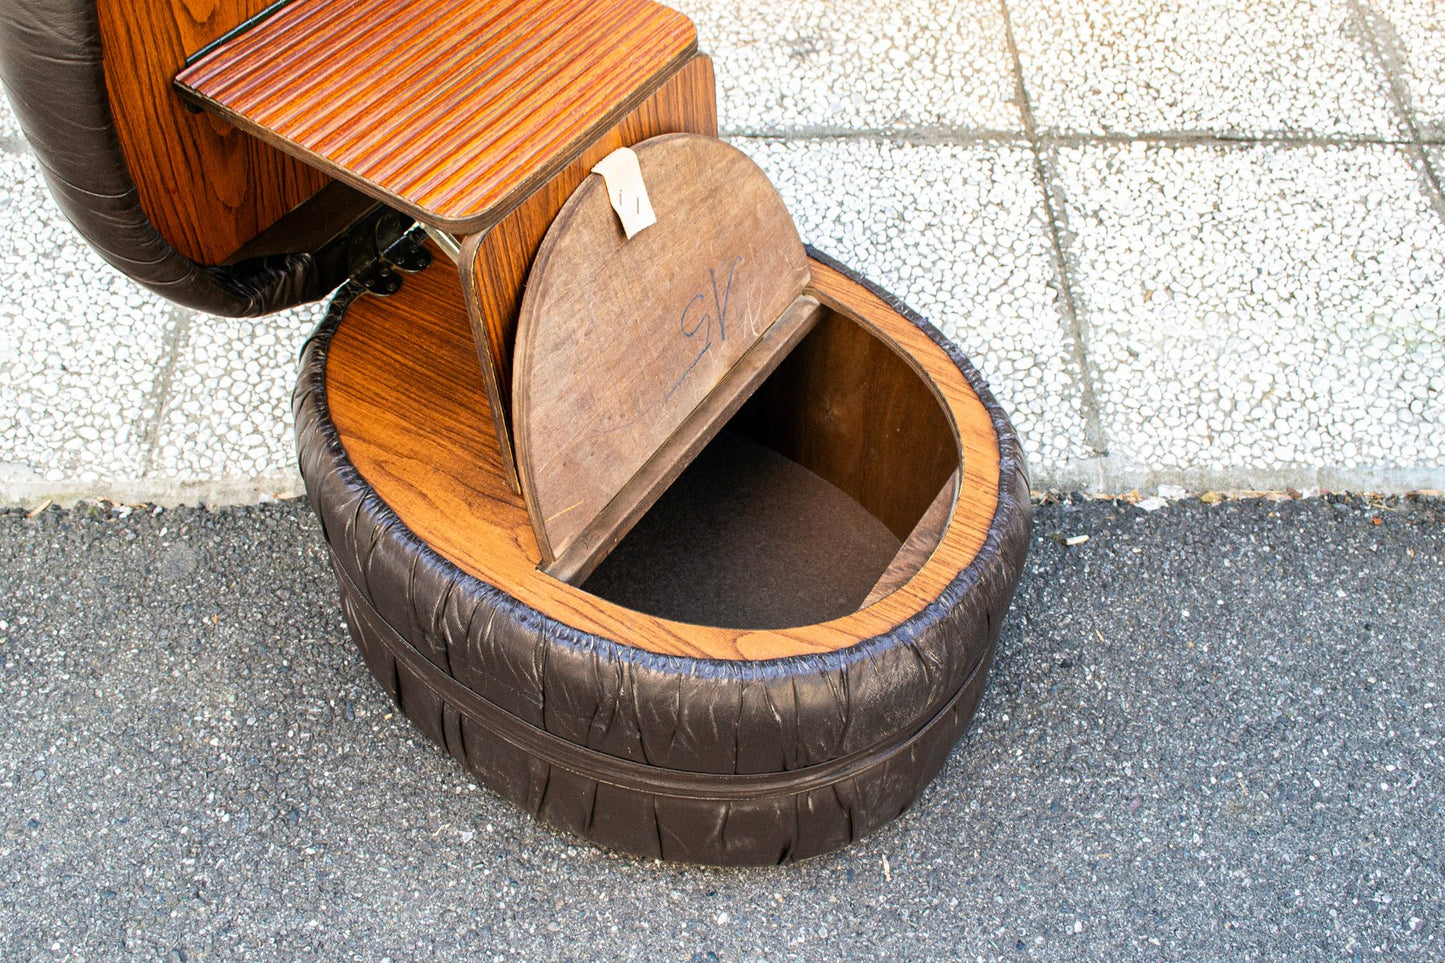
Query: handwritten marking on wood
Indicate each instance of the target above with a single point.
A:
(498, 261)
(620, 340)
(702, 322)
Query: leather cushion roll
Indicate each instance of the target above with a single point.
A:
(683, 758)
(50, 65)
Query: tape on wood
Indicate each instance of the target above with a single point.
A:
(625, 189)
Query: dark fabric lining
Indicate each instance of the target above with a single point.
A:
(747, 538)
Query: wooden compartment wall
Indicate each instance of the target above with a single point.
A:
(794, 513)
(207, 187)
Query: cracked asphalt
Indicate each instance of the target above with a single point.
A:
(1212, 732)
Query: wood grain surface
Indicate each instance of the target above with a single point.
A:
(451, 112)
(658, 470)
(496, 262)
(855, 416)
(621, 340)
(404, 391)
(919, 545)
(207, 187)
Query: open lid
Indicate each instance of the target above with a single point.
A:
(632, 353)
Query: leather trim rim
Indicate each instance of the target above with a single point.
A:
(1011, 523)
(639, 777)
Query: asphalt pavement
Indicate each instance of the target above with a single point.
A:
(1213, 732)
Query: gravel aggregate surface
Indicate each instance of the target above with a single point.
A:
(1212, 732)
(1189, 243)
(1237, 67)
(788, 66)
(1410, 39)
(83, 346)
(228, 404)
(1238, 320)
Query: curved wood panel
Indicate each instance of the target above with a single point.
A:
(621, 339)
(841, 408)
(499, 259)
(405, 394)
(207, 187)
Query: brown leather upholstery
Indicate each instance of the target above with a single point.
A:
(50, 66)
(682, 758)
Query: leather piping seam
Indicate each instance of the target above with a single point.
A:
(639, 777)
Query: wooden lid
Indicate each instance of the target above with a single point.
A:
(632, 353)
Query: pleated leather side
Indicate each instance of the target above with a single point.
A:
(50, 66)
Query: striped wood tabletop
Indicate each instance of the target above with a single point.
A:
(450, 111)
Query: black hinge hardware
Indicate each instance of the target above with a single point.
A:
(380, 256)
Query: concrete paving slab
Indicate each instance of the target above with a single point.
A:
(870, 91)
(1211, 733)
(84, 348)
(873, 64)
(1411, 38)
(1222, 67)
(1262, 313)
(960, 234)
(228, 414)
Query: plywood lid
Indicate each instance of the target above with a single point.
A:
(621, 343)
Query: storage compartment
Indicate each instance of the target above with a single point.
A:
(867, 405)
(798, 508)
(647, 734)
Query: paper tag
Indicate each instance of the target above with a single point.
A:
(626, 191)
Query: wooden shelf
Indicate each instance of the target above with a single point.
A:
(451, 112)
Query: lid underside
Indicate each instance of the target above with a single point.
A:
(630, 353)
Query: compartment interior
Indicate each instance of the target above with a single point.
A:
(804, 501)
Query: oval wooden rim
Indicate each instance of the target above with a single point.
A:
(427, 514)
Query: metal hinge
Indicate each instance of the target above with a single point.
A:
(379, 257)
